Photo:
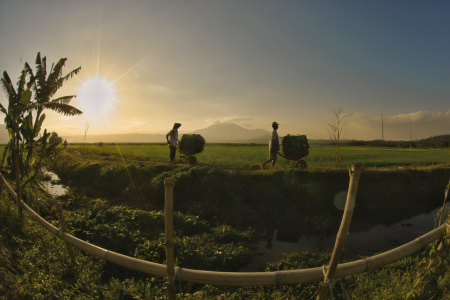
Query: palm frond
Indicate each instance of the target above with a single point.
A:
(44, 65)
(68, 76)
(60, 81)
(21, 82)
(64, 100)
(44, 93)
(56, 71)
(72, 73)
(38, 58)
(62, 108)
(32, 82)
(51, 69)
(7, 85)
(40, 69)
(3, 110)
(29, 69)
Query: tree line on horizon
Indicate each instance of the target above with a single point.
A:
(439, 141)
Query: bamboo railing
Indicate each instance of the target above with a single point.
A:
(240, 278)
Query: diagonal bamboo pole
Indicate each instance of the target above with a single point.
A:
(170, 244)
(239, 279)
(325, 286)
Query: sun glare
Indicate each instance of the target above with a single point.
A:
(96, 96)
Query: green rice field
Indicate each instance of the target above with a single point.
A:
(251, 156)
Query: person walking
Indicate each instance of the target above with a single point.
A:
(274, 147)
(172, 140)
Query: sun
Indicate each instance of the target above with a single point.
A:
(96, 96)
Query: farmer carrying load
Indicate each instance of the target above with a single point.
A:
(274, 147)
(172, 140)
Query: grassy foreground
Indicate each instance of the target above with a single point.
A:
(206, 238)
(251, 156)
(46, 271)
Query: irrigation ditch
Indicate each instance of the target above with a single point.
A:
(293, 210)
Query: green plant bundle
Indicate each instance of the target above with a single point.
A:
(295, 145)
(191, 144)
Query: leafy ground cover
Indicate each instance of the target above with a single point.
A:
(219, 211)
(46, 272)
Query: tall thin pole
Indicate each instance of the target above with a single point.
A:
(170, 244)
(410, 139)
(382, 136)
(355, 173)
(18, 184)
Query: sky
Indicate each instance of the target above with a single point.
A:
(146, 64)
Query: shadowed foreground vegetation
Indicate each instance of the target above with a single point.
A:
(116, 203)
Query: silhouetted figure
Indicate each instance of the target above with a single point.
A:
(274, 147)
(172, 140)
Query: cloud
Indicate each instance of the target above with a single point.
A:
(422, 117)
(420, 124)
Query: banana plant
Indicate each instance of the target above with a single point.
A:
(45, 87)
(18, 104)
(24, 127)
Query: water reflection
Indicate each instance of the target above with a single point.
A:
(53, 186)
(383, 237)
(379, 237)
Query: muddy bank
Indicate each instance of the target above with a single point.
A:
(293, 202)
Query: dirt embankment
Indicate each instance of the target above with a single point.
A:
(8, 287)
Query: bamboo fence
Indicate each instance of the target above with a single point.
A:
(240, 278)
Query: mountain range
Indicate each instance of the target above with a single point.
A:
(217, 133)
(232, 133)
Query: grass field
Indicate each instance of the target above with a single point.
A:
(251, 156)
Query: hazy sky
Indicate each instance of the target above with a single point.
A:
(247, 62)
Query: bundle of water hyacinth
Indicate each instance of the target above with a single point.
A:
(295, 145)
(191, 144)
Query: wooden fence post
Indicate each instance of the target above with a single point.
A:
(62, 222)
(18, 184)
(170, 244)
(325, 287)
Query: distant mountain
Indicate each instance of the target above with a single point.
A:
(217, 133)
(232, 133)
(118, 138)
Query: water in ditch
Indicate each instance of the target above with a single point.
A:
(379, 237)
(53, 186)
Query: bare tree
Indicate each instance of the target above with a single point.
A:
(336, 129)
